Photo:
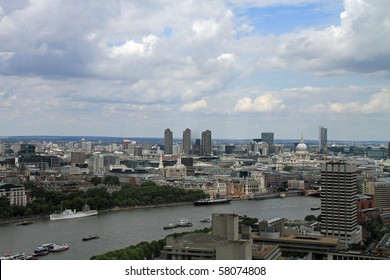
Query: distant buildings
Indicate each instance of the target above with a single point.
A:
(339, 202)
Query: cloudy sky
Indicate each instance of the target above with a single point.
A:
(236, 67)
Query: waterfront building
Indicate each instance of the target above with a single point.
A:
(15, 194)
(322, 139)
(187, 141)
(339, 202)
(168, 142)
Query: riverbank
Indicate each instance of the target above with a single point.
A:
(117, 208)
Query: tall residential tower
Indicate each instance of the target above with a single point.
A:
(206, 143)
(186, 141)
(339, 202)
(168, 142)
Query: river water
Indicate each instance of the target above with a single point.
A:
(119, 229)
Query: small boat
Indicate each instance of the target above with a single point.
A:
(90, 237)
(49, 246)
(184, 223)
(315, 208)
(31, 257)
(24, 223)
(170, 226)
(212, 201)
(282, 195)
(60, 247)
(15, 256)
(205, 220)
(41, 251)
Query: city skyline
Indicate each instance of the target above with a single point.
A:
(236, 68)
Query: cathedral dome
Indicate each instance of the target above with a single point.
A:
(301, 147)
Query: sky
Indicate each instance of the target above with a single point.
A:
(235, 67)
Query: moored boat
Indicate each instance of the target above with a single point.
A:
(41, 251)
(184, 222)
(90, 237)
(212, 201)
(15, 256)
(69, 214)
(170, 226)
(315, 208)
(60, 247)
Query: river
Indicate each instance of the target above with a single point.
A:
(119, 229)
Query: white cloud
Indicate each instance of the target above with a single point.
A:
(379, 102)
(264, 103)
(131, 48)
(194, 106)
(153, 58)
(358, 45)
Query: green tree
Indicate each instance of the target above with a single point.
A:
(96, 180)
(111, 181)
(310, 218)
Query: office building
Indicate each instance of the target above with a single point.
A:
(322, 139)
(268, 137)
(77, 158)
(168, 142)
(206, 143)
(187, 141)
(339, 202)
(382, 194)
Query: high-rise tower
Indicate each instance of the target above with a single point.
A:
(168, 142)
(186, 141)
(206, 143)
(339, 202)
(322, 138)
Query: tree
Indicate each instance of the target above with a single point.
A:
(310, 218)
(96, 180)
(111, 180)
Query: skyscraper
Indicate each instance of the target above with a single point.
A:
(206, 143)
(339, 202)
(168, 141)
(322, 138)
(186, 141)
